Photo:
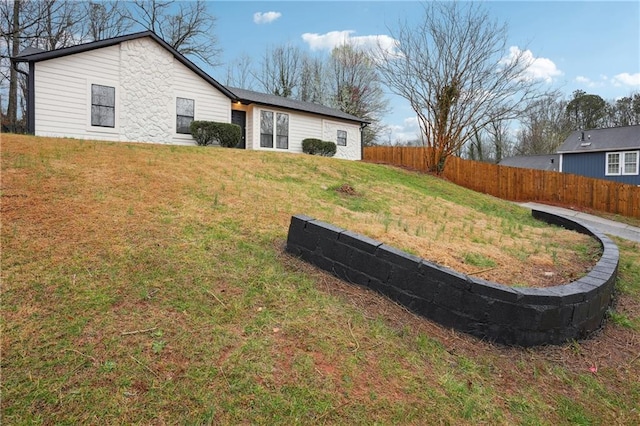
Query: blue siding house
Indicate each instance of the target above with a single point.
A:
(612, 154)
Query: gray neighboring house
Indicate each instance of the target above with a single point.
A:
(549, 162)
(611, 154)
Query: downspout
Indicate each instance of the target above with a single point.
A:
(30, 94)
(362, 127)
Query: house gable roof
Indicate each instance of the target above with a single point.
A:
(610, 139)
(28, 54)
(249, 96)
(246, 96)
(538, 162)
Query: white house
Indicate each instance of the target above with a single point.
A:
(137, 88)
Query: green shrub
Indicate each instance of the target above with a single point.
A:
(318, 147)
(207, 132)
(202, 132)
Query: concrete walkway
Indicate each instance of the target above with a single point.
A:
(607, 226)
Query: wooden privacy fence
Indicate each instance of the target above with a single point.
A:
(515, 184)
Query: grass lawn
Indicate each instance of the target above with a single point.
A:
(148, 284)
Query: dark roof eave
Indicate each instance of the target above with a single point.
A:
(628, 148)
(58, 53)
(335, 117)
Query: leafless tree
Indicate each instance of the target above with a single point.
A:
(57, 25)
(190, 30)
(104, 19)
(280, 73)
(455, 70)
(356, 89)
(544, 126)
(312, 81)
(240, 73)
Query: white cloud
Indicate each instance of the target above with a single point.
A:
(265, 17)
(586, 81)
(539, 68)
(333, 39)
(401, 133)
(626, 79)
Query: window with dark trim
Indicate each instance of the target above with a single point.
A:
(342, 138)
(622, 163)
(103, 106)
(282, 131)
(185, 111)
(266, 129)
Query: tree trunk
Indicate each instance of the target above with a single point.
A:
(12, 107)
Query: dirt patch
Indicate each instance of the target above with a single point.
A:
(346, 189)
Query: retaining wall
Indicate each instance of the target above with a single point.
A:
(508, 315)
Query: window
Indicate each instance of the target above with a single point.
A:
(342, 138)
(630, 163)
(103, 106)
(613, 164)
(622, 163)
(185, 109)
(266, 129)
(282, 131)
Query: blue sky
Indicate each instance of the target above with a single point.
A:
(588, 45)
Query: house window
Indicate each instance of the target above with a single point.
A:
(630, 163)
(185, 109)
(342, 138)
(613, 164)
(622, 163)
(282, 131)
(103, 106)
(266, 129)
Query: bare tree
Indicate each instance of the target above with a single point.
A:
(544, 126)
(454, 69)
(57, 25)
(624, 111)
(280, 74)
(312, 81)
(103, 20)
(356, 89)
(190, 30)
(240, 74)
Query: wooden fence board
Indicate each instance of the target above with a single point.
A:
(516, 184)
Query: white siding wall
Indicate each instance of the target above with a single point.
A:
(303, 126)
(353, 149)
(63, 93)
(147, 79)
(210, 104)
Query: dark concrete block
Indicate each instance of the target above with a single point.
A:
(360, 242)
(441, 275)
(334, 250)
(323, 229)
(356, 277)
(493, 290)
(538, 296)
(476, 306)
(371, 265)
(568, 294)
(448, 296)
(413, 283)
(398, 258)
